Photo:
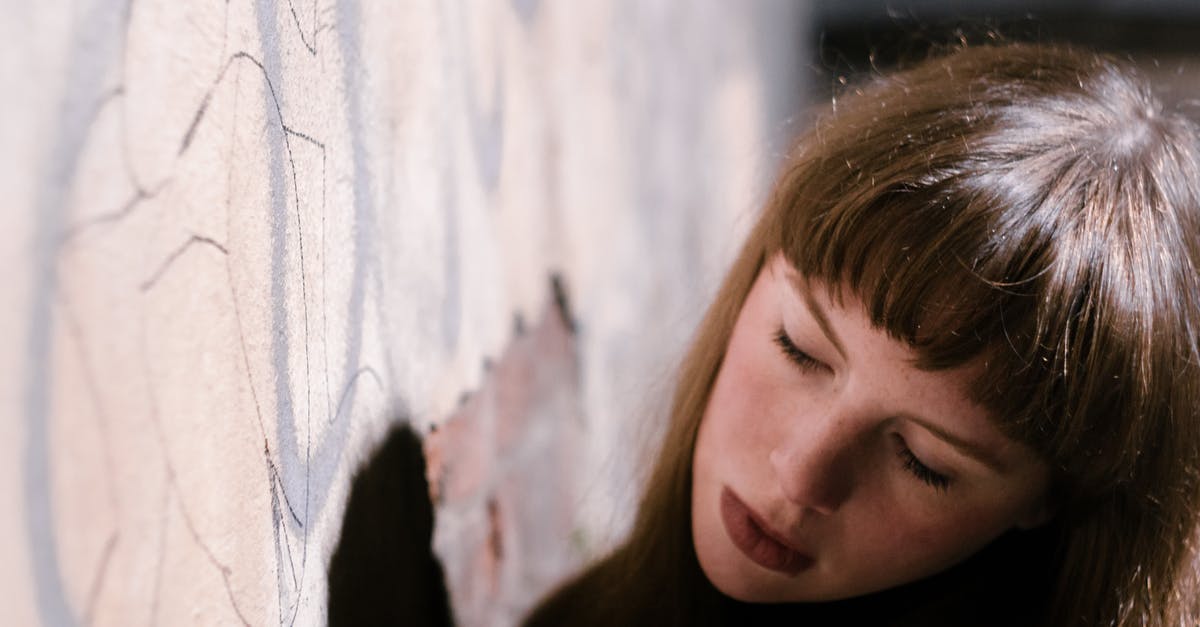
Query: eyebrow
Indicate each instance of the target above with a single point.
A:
(815, 309)
(975, 451)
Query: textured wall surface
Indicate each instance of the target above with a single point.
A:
(242, 236)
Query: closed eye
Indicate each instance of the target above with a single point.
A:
(918, 469)
(799, 358)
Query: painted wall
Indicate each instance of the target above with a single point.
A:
(244, 236)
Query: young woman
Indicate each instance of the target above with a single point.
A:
(953, 376)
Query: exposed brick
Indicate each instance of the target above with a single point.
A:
(500, 469)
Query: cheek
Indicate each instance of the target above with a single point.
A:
(940, 541)
(933, 538)
(724, 432)
(740, 410)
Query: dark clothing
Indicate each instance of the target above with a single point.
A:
(1005, 585)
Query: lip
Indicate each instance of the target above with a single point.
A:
(751, 535)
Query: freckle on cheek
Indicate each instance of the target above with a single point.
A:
(937, 534)
(924, 536)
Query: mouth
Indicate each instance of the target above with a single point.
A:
(751, 535)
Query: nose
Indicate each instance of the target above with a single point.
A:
(815, 465)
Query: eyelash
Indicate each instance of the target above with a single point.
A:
(798, 357)
(913, 465)
(926, 474)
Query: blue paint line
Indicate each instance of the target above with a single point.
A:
(99, 33)
(291, 471)
(451, 271)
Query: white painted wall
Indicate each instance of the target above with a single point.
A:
(244, 235)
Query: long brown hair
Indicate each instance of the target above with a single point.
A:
(1031, 209)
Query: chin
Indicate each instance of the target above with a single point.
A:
(758, 591)
(744, 590)
(743, 581)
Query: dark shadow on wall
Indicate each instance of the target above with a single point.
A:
(383, 571)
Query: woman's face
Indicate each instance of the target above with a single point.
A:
(827, 466)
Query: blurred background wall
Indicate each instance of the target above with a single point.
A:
(244, 238)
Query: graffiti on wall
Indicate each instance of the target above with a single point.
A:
(260, 230)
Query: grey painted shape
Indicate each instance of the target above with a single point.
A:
(451, 270)
(100, 27)
(350, 41)
(487, 132)
(526, 10)
(293, 471)
(316, 470)
(313, 469)
(782, 40)
(486, 126)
